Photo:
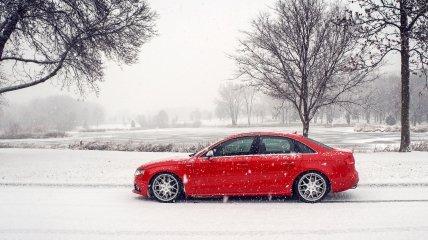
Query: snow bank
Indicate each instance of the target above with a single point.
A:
(386, 128)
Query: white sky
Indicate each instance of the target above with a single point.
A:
(181, 67)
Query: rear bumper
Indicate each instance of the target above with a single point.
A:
(346, 182)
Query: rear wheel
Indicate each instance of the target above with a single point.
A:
(311, 187)
(166, 187)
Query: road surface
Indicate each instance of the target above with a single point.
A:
(62, 194)
(78, 212)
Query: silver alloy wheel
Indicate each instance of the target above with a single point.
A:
(165, 187)
(312, 187)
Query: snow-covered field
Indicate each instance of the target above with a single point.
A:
(343, 137)
(66, 194)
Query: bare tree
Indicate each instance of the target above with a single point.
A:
(397, 26)
(419, 100)
(142, 121)
(231, 99)
(303, 53)
(248, 95)
(281, 111)
(161, 119)
(221, 110)
(41, 39)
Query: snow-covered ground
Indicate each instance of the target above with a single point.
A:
(66, 194)
(114, 213)
(343, 137)
(55, 166)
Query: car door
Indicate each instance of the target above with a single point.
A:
(225, 173)
(276, 159)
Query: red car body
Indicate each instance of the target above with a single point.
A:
(253, 174)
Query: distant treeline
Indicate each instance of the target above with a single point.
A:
(50, 114)
(377, 103)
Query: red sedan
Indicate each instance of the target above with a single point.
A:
(251, 164)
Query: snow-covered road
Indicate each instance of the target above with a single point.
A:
(115, 213)
(63, 194)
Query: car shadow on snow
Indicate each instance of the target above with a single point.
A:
(332, 197)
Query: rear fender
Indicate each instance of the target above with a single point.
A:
(323, 171)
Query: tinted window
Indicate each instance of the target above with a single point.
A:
(320, 144)
(302, 148)
(275, 145)
(282, 145)
(240, 146)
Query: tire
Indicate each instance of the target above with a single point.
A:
(166, 188)
(311, 187)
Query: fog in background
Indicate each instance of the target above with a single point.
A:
(181, 67)
(180, 70)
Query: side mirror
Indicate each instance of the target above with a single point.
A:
(209, 154)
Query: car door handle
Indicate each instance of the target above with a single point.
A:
(287, 163)
(242, 164)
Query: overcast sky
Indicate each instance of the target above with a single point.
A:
(181, 67)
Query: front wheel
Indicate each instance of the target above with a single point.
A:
(311, 187)
(166, 187)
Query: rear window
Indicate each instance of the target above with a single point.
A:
(319, 143)
(302, 148)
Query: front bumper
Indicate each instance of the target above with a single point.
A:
(140, 187)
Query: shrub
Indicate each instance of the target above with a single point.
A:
(390, 120)
(34, 135)
(421, 146)
(137, 146)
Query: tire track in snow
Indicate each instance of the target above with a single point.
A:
(114, 185)
(376, 201)
(225, 233)
(338, 199)
(67, 185)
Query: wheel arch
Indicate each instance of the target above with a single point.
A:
(157, 173)
(296, 178)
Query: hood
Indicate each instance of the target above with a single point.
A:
(165, 162)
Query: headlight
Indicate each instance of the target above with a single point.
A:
(139, 172)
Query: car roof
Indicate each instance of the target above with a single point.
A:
(295, 136)
(264, 133)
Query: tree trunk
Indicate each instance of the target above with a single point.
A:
(249, 113)
(348, 118)
(405, 75)
(322, 117)
(305, 128)
(368, 117)
(233, 121)
(232, 116)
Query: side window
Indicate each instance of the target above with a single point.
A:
(302, 148)
(275, 145)
(240, 146)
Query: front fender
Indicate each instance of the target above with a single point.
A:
(176, 170)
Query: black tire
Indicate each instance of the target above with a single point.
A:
(160, 184)
(312, 182)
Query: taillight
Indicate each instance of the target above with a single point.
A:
(350, 160)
